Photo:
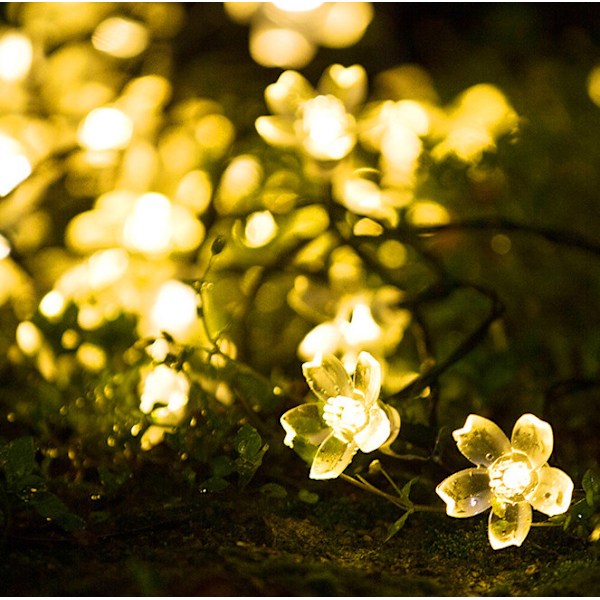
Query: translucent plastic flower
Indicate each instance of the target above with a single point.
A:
(320, 123)
(510, 478)
(347, 417)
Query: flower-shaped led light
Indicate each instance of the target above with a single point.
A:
(347, 417)
(354, 328)
(320, 123)
(510, 477)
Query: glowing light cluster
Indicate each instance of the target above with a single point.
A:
(260, 229)
(287, 34)
(120, 37)
(320, 123)
(478, 117)
(347, 417)
(105, 128)
(511, 477)
(175, 309)
(16, 56)
(395, 130)
(364, 321)
(164, 395)
(15, 166)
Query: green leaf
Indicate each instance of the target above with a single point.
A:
(251, 450)
(18, 458)
(405, 491)
(221, 466)
(273, 490)
(396, 526)
(591, 486)
(308, 497)
(248, 442)
(247, 467)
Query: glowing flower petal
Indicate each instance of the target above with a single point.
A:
(325, 338)
(319, 124)
(509, 524)
(553, 493)
(304, 429)
(288, 93)
(351, 417)
(513, 480)
(276, 130)
(349, 84)
(377, 430)
(481, 440)
(533, 437)
(327, 378)
(466, 493)
(304, 421)
(332, 457)
(367, 377)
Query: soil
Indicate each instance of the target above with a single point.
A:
(243, 543)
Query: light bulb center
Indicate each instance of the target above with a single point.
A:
(346, 416)
(512, 477)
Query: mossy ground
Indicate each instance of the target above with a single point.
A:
(241, 543)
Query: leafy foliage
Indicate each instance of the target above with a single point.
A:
(24, 486)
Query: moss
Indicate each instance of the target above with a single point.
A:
(241, 543)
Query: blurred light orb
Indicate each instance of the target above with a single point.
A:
(52, 305)
(90, 317)
(165, 386)
(214, 133)
(91, 357)
(106, 267)
(392, 254)
(194, 191)
(4, 247)
(16, 56)
(29, 338)
(120, 37)
(362, 328)
(15, 167)
(327, 128)
(174, 309)
(297, 5)
(105, 128)
(280, 47)
(593, 85)
(501, 244)
(344, 23)
(260, 229)
(287, 33)
(241, 178)
(428, 212)
(148, 229)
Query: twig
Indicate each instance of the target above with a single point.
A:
(469, 344)
(565, 238)
(363, 484)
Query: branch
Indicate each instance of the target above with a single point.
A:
(430, 376)
(564, 238)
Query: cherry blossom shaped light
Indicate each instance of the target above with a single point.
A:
(318, 122)
(510, 477)
(347, 417)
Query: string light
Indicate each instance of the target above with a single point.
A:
(511, 477)
(348, 417)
